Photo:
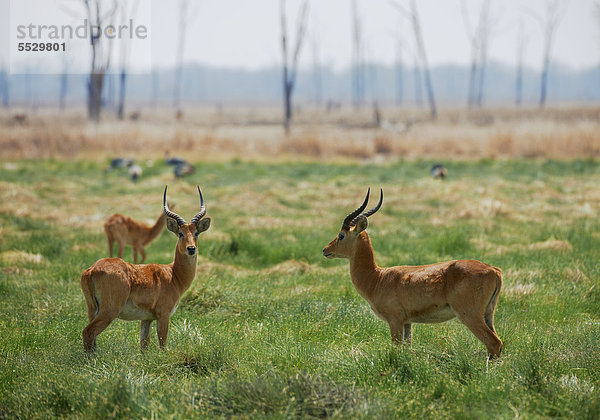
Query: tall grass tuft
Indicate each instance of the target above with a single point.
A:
(274, 394)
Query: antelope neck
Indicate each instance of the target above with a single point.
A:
(184, 269)
(364, 272)
(157, 227)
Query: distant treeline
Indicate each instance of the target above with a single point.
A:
(385, 85)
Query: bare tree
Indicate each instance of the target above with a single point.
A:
(485, 24)
(474, 41)
(413, 16)
(183, 21)
(373, 85)
(316, 62)
(555, 10)
(101, 52)
(317, 76)
(290, 70)
(474, 36)
(417, 80)
(597, 13)
(27, 88)
(64, 86)
(522, 40)
(124, 56)
(399, 70)
(155, 86)
(4, 87)
(479, 39)
(358, 74)
(108, 97)
(4, 76)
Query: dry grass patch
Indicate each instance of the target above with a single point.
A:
(519, 290)
(204, 134)
(206, 268)
(21, 257)
(575, 274)
(550, 244)
(291, 267)
(484, 208)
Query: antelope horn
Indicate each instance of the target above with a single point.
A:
(169, 213)
(370, 212)
(202, 212)
(347, 221)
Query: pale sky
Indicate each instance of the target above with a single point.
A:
(244, 33)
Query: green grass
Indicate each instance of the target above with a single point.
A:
(271, 329)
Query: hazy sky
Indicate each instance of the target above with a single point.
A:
(244, 33)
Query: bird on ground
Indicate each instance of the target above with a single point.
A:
(175, 160)
(119, 163)
(135, 171)
(439, 171)
(183, 169)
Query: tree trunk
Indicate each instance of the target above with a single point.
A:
(430, 96)
(28, 94)
(544, 79)
(287, 89)
(357, 70)
(289, 72)
(64, 84)
(155, 88)
(472, 83)
(399, 83)
(521, 41)
(481, 84)
(177, 89)
(482, 68)
(95, 95)
(519, 85)
(418, 85)
(4, 88)
(122, 86)
(423, 59)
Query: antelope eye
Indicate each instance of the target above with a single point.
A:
(196, 234)
(180, 235)
(340, 236)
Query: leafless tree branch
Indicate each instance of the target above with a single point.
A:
(289, 74)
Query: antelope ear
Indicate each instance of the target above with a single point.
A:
(203, 224)
(172, 225)
(361, 224)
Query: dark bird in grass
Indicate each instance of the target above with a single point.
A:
(135, 171)
(174, 160)
(119, 163)
(439, 171)
(183, 169)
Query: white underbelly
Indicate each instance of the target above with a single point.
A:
(130, 312)
(444, 314)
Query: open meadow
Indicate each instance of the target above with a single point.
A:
(272, 329)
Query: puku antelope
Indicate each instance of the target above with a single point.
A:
(114, 288)
(434, 293)
(125, 231)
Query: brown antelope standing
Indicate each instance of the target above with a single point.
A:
(114, 288)
(125, 231)
(467, 289)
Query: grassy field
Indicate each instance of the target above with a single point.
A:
(272, 329)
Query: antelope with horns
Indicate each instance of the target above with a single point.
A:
(114, 288)
(467, 289)
(125, 231)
